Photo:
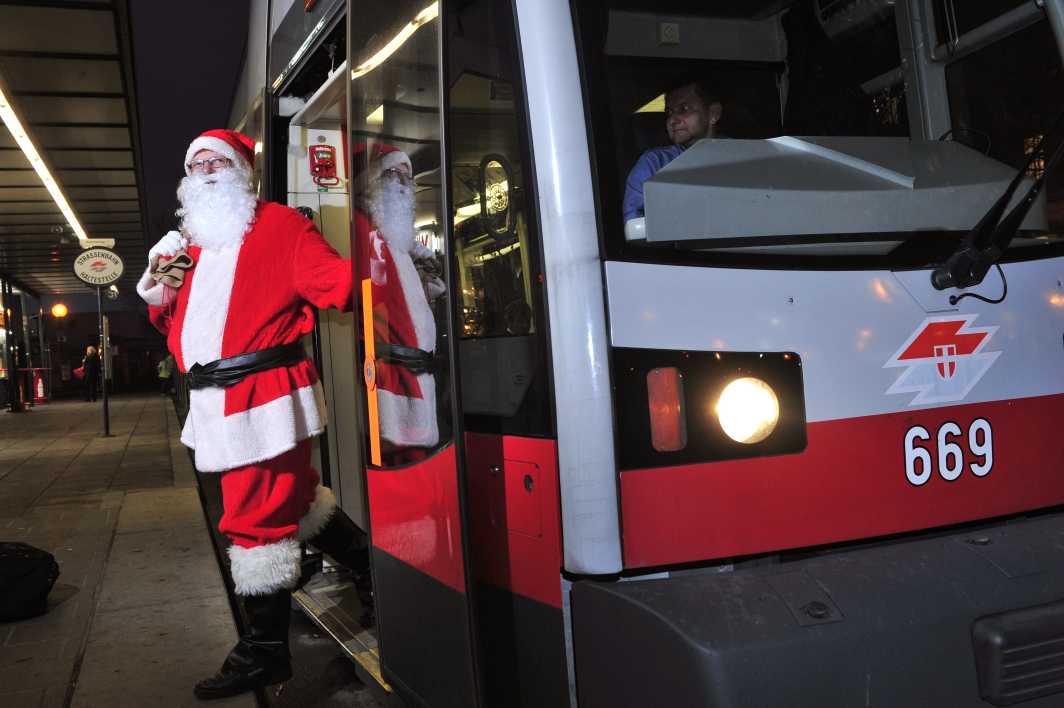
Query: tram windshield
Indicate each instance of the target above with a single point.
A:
(808, 69)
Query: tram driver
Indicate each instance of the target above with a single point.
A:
(692, 111)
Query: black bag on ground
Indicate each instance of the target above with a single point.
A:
(27, 575)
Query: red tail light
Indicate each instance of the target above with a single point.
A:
(668, 423)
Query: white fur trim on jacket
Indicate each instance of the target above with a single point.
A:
(224, 442)
(153, 292)
(319, 513)
(208, 306)
(215, 144)
(265, 569)
(410, 421)
(417, 303)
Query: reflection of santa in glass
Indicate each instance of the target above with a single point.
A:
(260, 269)
(405, 278)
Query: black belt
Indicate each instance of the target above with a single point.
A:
(233, 369)
(416, 361)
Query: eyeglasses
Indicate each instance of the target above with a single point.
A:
(216, 163)
(397, 174)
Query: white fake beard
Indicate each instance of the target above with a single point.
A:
(392, 207)
(217, 209)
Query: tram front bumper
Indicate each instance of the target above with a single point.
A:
(963, 620)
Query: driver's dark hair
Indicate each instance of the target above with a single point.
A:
(706, 87)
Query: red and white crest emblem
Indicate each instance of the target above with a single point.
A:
(944, 359)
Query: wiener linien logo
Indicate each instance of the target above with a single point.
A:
(944, 359)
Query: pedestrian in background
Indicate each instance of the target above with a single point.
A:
(166, 372)
(91, 366)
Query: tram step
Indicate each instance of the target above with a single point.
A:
(330, 600)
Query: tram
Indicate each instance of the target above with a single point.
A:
(769, 445)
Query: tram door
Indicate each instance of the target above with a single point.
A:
(503, 362)
(415, 493)
(461, 459)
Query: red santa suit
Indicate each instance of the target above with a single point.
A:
(243, 298)
(401, 314)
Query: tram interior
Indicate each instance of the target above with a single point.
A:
(819, 68)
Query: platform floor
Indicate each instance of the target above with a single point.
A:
(140, 611)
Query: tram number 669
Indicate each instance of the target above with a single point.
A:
(950, 454)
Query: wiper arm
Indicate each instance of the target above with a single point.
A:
(985, 243)
(1006, 230)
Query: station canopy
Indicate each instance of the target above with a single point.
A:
(66, 69)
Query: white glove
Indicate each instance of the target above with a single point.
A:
(168, 245)
(434, 288)
(423, 251)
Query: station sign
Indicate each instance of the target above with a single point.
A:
(98, 267)
(97, 242)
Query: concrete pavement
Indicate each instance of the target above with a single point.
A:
(139, 613)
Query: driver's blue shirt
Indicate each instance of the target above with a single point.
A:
(648, 165)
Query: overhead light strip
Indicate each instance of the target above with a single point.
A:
(427, 15)
(11, 120)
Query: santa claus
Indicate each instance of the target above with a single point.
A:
(235, 326)
(405, 277)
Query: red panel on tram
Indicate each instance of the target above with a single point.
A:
(851, 482)
(515, 515)
(414, 516)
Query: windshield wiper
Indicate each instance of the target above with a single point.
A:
(985, 243)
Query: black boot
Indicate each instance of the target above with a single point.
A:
(261, 657)
(349, 546)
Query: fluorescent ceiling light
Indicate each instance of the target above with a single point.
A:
(426, 15)
(655, 106)
(11, 120)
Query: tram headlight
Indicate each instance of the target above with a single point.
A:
(682, 407)
(748, 410)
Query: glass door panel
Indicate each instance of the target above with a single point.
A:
(502, 336)
(416, 527)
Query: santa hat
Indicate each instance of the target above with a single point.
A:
(226, 143)
(381, 155)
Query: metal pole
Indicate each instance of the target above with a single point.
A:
(323, 442)
(26, 329)
(103, 380)
(1055, 14)
(46, 358)
(13, 374)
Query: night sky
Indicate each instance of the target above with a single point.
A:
(188, 57)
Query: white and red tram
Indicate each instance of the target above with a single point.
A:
(870, 516)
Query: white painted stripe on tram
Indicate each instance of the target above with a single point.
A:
(590, 523)
(846, 325)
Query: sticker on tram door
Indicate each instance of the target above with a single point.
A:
(944, 359)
